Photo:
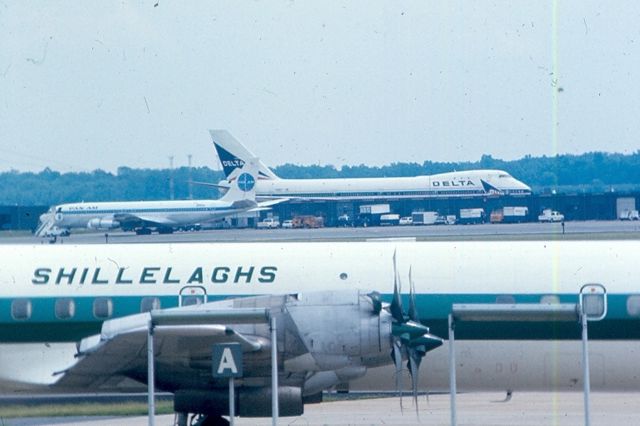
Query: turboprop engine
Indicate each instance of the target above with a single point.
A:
(323, 339)
(100, 223)
(344, 333)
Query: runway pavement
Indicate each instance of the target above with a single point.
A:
(474, 409)
(572, 230)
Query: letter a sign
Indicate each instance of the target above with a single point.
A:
(227, 360)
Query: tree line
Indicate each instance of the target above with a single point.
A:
(590, 172)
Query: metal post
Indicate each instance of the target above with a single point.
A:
(151, 374)
(232, 401)
(274, 372)
(585, 366)
(452, 370)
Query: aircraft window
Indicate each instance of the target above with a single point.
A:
(65, 308)
(633, 306)
(102, 307)
(504, 176)
(550, 299)
(21, 309)
(149, 303)
(192, 300)
(344, 276)
(505, 298)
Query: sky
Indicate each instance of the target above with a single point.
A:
(97, 85)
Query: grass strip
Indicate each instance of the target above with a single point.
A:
(83, 409)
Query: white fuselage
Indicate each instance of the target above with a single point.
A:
(473, 183)
(443, 272)
(108, 215)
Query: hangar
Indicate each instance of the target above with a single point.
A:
(575, 206)
(583, 206)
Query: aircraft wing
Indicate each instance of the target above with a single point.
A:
(120, 351)
(147, 220)
(243, 204)
(323, 339)
(269, 203)
(209, 184)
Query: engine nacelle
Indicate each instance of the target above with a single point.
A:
(250, 402)
(100, 223)
(340, 329)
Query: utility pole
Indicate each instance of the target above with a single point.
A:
(190, 184)
(171, 191)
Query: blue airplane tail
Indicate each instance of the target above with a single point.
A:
(233, 155)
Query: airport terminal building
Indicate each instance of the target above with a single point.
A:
(586, 206)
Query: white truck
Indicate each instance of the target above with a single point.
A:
(549, 215)
(629, 215)
(375, 209)
(424, 218)
(390, 219)
(515, 214)
(471, 216)
(268, 223)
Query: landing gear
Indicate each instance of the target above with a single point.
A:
(212, 420)
(183, 419)
(143, 231)
(165, 230)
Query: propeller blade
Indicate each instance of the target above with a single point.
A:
(396, 303)
(414, 365)
(413, 309)
(396, 353)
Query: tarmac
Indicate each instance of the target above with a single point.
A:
(474, 409)
(571, 230)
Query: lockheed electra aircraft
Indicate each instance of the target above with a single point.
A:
(471, 183)
(74, 317)
(162, 216)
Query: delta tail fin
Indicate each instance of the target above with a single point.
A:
(233, 155)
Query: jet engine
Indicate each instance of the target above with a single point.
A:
(100, 223)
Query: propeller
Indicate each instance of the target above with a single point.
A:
(410, 338)
(376, 301)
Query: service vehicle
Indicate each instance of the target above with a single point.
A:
(629, 215)
(391, 219)
(268, 223)
(509, 214)
(549, 215)
(468, 216)
(424, 218)
(308, 221)
(406, 220)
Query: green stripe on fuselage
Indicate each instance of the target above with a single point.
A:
(43, 326)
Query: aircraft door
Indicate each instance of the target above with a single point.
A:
(192, 295)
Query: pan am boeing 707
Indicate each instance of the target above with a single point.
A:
(162, 216)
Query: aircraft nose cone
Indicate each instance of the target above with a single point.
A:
(525, 186)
